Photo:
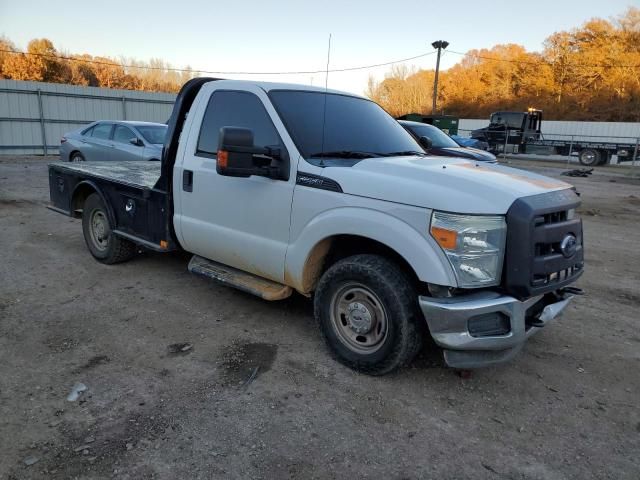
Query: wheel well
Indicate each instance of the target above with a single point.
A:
(605, 156)
(332, 249)
(79, 197)
(72, 152)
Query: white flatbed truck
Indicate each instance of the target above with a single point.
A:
(276, 188)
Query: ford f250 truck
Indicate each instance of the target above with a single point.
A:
(278, 188)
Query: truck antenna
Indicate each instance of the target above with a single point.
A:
(324, 109)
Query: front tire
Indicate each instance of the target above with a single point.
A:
(589, 157)
(76, 157)
(367, 311)
(102, 243)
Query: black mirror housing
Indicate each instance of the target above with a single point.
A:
(238, 157)
(426, 143)
(235, 152)
(137, 142)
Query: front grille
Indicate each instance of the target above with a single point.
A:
(535, 262)
(553, 217)
(555, 277)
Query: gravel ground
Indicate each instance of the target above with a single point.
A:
(189, 379)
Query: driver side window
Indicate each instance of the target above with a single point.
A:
(235, 109)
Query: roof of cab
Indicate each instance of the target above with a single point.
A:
(268, 86)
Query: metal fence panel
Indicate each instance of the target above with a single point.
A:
(33, 111)
(30, 111)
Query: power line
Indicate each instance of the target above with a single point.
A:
(542, 62)
(308, 72)
(169, 69)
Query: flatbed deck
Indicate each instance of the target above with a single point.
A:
(139, 210)
(134, 174)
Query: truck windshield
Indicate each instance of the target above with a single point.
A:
(354, 128)
(510, 119)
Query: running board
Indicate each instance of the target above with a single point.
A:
(247, 282)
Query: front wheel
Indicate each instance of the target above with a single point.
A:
(367, 310)
(102, 243)
(589, 157)
(77, 157)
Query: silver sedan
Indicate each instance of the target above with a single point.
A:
(114, 140)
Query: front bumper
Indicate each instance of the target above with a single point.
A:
(449, 319)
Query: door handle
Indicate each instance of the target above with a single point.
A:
(187, 180)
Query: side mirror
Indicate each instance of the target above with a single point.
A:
(136, 141)
(426, 143)
(238, 157)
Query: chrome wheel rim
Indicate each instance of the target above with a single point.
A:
(358, 318)
(77, 158)
(99, 228)
(588, 157)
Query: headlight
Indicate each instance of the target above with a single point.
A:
(474, 245)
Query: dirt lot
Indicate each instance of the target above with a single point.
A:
(567, 407)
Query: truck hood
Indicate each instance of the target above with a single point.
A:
(449, 184)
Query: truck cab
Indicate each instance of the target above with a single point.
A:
(276, 188)
(521, 127)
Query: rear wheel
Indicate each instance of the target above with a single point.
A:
(368, 314)
(102, 243)
(76, 157)
(589, 157)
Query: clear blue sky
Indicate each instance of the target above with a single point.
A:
(285, 35)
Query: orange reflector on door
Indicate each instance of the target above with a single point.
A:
(164, 244)
(445, 238)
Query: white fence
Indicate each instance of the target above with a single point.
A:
(34, 115)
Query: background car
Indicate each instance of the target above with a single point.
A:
(114, 140)
(470, 142)
(438, 143)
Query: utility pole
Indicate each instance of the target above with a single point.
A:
(439, 45)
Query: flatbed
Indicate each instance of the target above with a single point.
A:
(138, 207)
(588, 152)
(520, 132)
(133, 174)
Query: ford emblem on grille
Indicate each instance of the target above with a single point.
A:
(568, 246)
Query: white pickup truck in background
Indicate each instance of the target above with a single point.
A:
(276, 188)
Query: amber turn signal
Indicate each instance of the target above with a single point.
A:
(223, 157)
(445, 238)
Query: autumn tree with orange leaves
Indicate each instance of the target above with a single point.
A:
(43, 63)
(589, 73)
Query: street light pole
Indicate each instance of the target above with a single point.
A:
(439, 45)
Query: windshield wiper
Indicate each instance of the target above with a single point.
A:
(346, 154)
(404, 153)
